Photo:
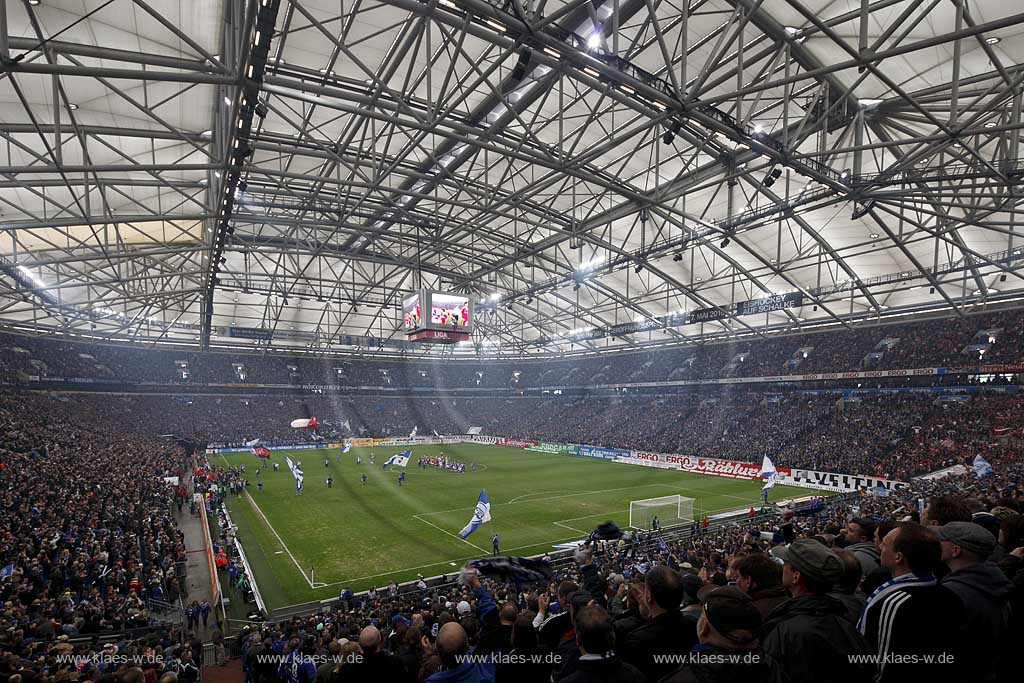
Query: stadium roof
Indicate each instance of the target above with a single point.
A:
(173, 169)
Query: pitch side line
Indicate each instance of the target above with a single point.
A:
(278, 537)
(449, 533)
(274, 531)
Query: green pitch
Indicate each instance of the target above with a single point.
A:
(360, 535)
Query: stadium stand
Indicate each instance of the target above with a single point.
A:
(62, 533)
(947, 343)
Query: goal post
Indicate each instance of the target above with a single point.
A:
(670, 510)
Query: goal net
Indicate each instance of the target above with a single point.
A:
(669, 510)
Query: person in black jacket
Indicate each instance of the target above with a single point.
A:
(568, 650)
(760, 577)
(912, 616)
(525, 661)
(728, 649)
(809, 635)
(595, 637)
(631, 619)
(665, 632)
(984, 591)
(552, 628)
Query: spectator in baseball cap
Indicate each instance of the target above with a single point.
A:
(728, 625)
(809, 635)
(983, 590)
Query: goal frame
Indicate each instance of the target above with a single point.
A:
(683, 505)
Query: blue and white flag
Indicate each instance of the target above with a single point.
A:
(400, 459)
(346, 447)
(481, 514)
(769, 473)
(296, 472)
(412, 434)
(7, 572)
(982, 467)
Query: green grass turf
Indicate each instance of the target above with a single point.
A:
(361, 535)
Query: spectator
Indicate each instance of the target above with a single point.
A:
(525, 648)
(665, 631)
(728, 649)
(847, 589)
(553, 628)
(568, 651)
(809, 635)
(984, 592)
(452, 647)
(912, 615)
(859, 539)
(760, 577)
(598, 663)
(376, 662)
(942, 510)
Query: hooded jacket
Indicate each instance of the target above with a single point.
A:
(985, 592)
(767, 599)
(811, 639)
(867, 554)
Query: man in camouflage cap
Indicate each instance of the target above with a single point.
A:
(809, 634)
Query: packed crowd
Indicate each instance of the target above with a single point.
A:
(854, 588)
(88, 545)
(993, 337)
(88, 542)
(895, 435)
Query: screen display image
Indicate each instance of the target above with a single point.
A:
(412, 315)
(449, 310)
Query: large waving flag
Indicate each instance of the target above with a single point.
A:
(412, 434)
(982, 467)
(302, 423)
(296, 472)
(481, 514)
(260, 452)
(769, 473)
(347, 446)
(400, 459)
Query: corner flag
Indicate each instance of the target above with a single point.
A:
(982, 467)
(769, 473)
(400, 459)
(481, 514)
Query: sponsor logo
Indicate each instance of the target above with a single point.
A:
(832, 481)
(517, 443)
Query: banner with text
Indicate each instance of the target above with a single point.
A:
(548, 447)
(833, 481)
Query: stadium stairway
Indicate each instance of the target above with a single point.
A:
(230, 672)
(197, 573)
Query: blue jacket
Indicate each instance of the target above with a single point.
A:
(467, 672)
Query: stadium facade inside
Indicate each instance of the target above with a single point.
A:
(288, 288)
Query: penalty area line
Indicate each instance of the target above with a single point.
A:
(445, 531)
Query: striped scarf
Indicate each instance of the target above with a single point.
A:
(891, 586)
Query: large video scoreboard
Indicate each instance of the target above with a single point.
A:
(429, 315)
